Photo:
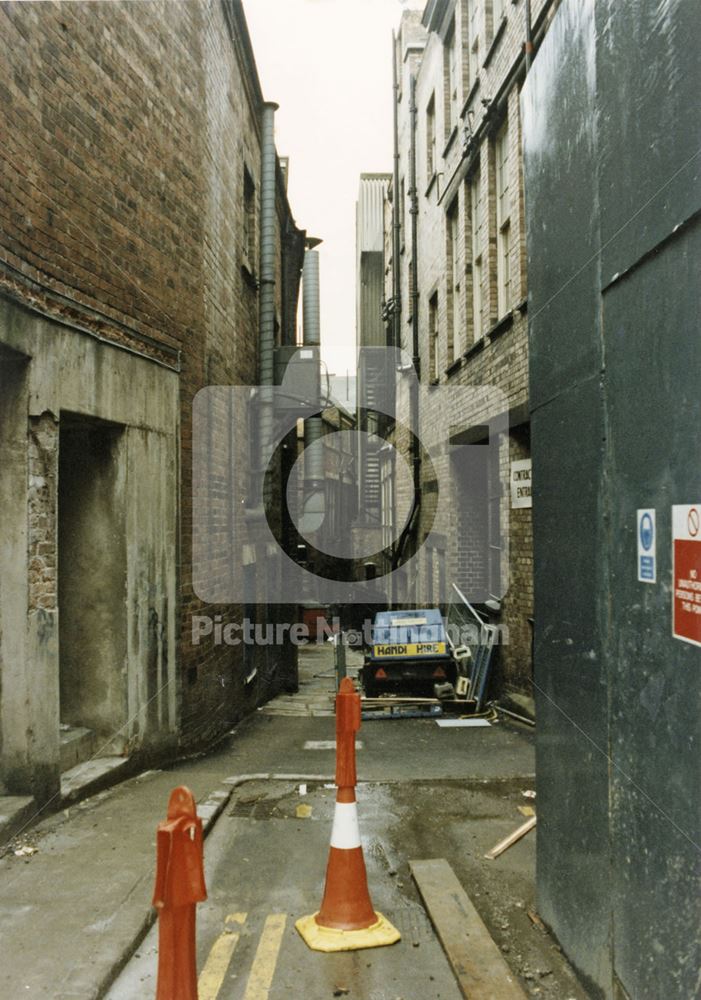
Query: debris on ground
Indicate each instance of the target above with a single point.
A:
(536, 921)
(507, 842)
(25, 851)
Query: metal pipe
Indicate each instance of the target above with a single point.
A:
(529, 37)
(268, 190)
(311, 311)
(416, 356)
(313, 427)
(416, 359)
(414, 196)
(396, 212)
(514, 715)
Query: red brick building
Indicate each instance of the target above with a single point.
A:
(132, 168)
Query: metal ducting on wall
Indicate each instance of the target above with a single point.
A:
(267, 274)
(314, 492)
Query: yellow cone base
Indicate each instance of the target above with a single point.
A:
(330, 939)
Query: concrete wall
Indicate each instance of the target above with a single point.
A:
(612, 193)
(120, 529)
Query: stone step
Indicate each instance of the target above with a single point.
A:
(15, 811)
(92, 776)
(78, 744)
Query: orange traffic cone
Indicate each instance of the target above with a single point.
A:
(347, 919)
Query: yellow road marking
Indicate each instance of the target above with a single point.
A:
(263, 970)
(217, 964)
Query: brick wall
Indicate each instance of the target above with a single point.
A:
(43, 446)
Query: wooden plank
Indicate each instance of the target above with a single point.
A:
(477, 962)
(504, 844)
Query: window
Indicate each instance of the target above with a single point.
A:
(450, 56)
(476, 253)
(503, 200)
(433, 335)
(387, 496)
(495, 584)
(474, 42)
(431, 139)
(453, 282)
(249, 220)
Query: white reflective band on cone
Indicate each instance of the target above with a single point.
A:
(346, 832)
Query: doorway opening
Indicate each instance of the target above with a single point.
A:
(92, 578)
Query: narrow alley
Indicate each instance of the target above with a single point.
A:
(350, 500)
(424, 792)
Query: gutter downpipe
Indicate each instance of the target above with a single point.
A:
(416, 358)
(396, 341)
(268, 191)
(529, 37)
(396, 211)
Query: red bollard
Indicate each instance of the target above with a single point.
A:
(179, 886)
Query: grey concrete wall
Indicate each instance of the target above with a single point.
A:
(610, 125)
(13, 558)
(69, 375)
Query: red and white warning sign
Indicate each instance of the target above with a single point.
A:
(686, 563)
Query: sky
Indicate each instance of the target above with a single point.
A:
(328, 64)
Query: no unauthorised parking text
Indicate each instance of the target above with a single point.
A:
(686, 562)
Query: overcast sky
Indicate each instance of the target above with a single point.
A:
(328, 64)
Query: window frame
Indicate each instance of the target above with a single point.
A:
(453, 280)
(473, 44)
(431, 152)
(451, 65)
(476, 251)
(502, 189)
(433, 337)
(249, 235)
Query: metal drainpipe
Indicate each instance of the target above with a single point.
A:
(314, 500)
(529, 37)
(416, 358)
(268, 190)
(396, 210)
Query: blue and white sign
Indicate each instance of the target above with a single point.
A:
(647, 547)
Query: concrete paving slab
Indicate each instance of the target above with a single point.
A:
(71, 914)
(263, 860)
